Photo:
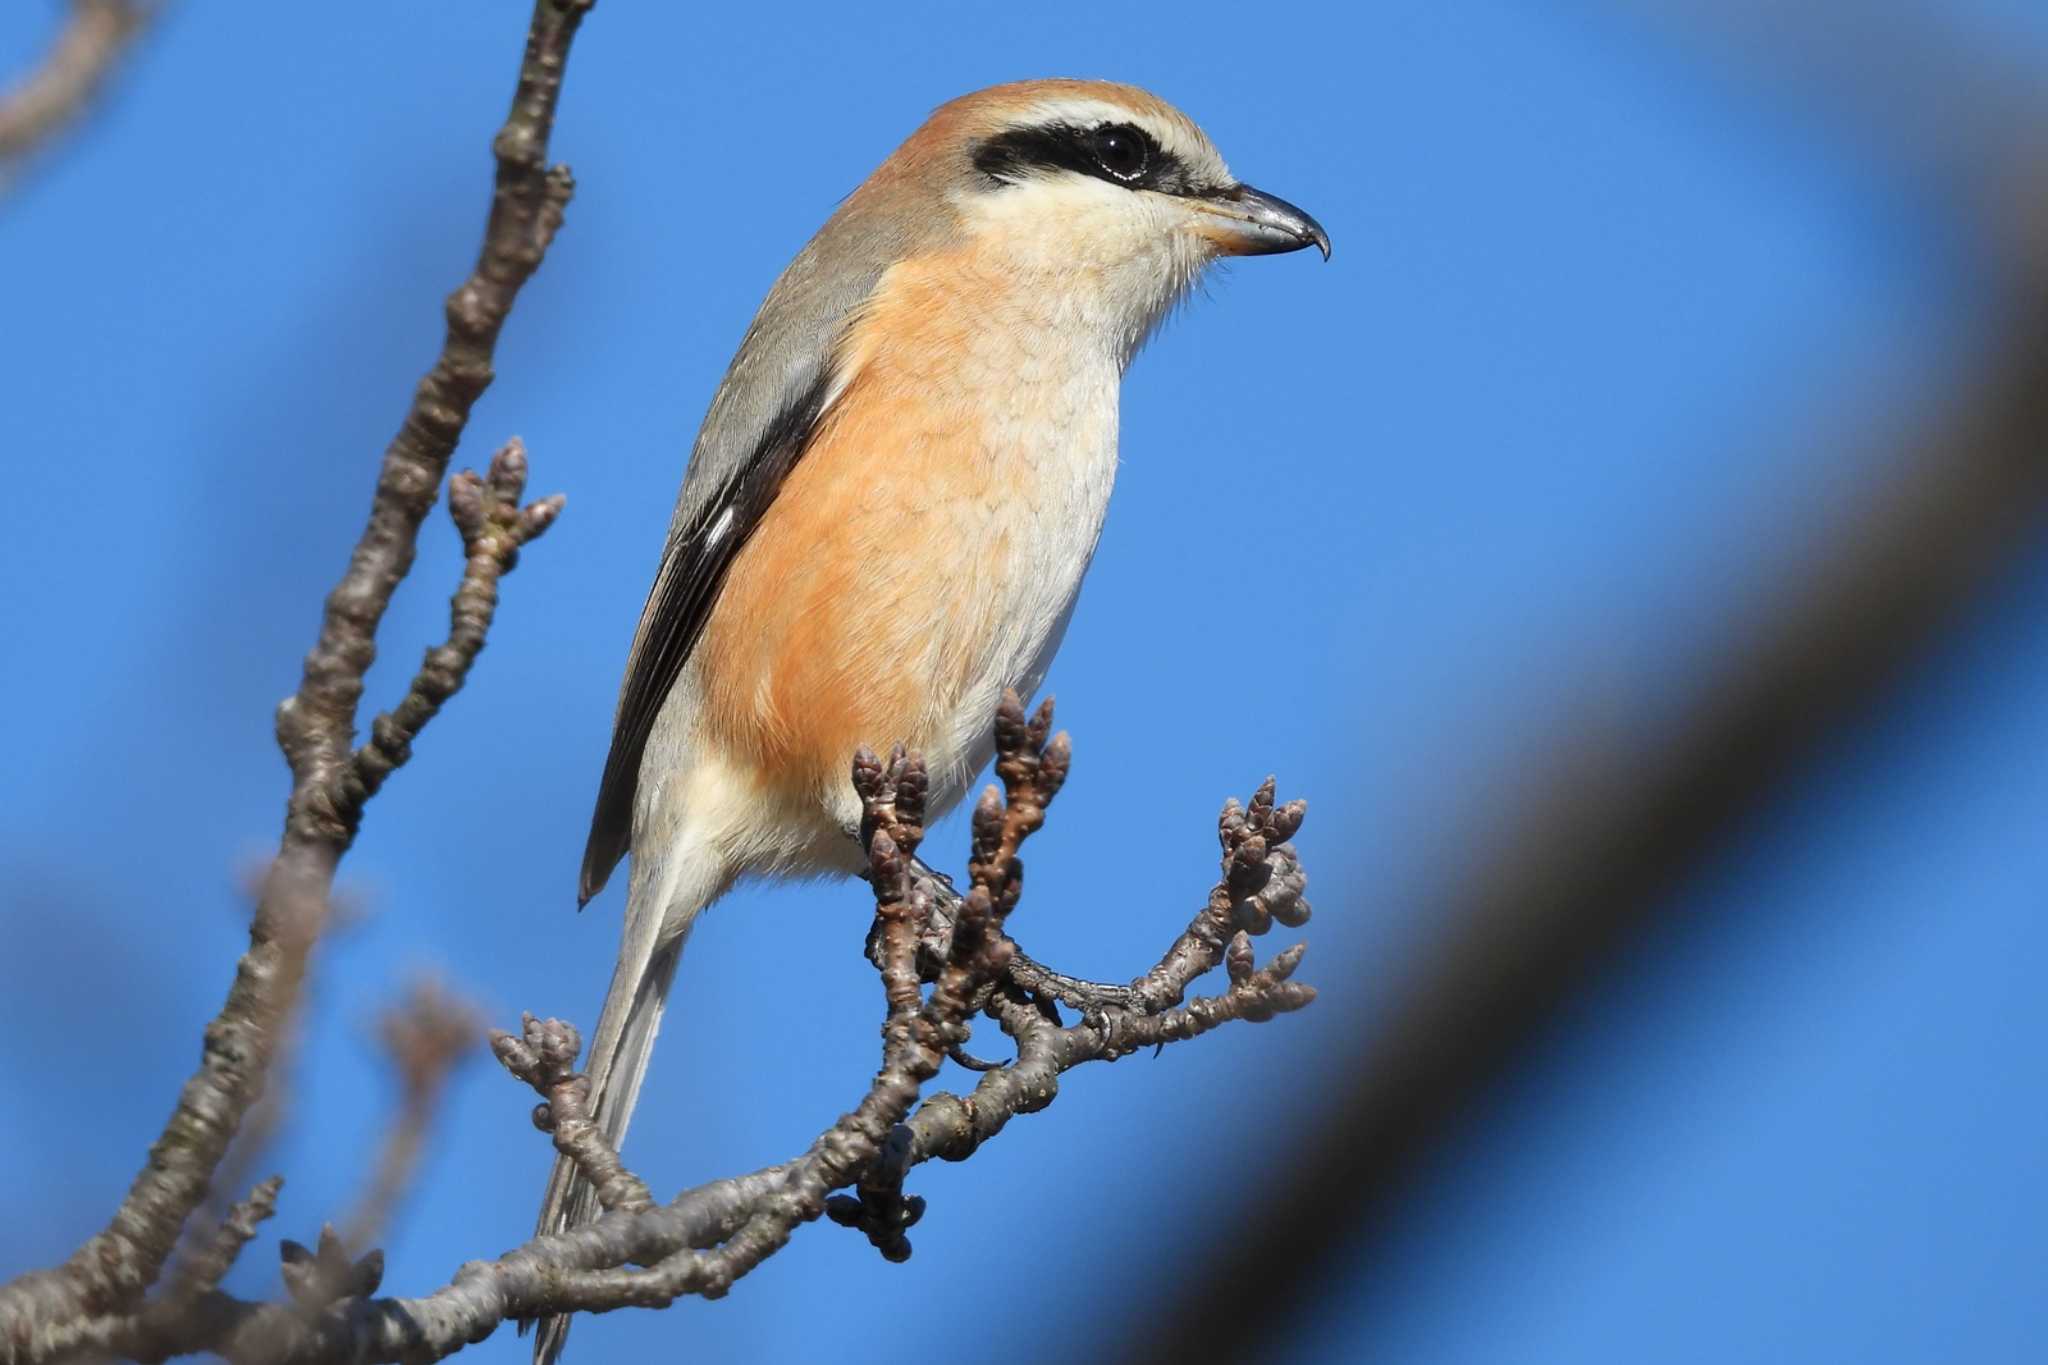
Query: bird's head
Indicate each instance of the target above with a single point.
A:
(1102, 189)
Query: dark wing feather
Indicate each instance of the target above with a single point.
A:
(693, 569)
(762, 418)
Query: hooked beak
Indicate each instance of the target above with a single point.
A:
(1242, 221)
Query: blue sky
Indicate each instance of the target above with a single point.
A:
(1574, 398)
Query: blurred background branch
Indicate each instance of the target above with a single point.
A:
(1606, 847)
(56, 93)
(1605, 841)
(426, 1038)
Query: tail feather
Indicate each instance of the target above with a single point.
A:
(659, 911)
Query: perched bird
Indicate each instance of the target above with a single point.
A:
(890, 506)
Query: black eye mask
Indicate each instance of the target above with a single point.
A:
(1120, 153)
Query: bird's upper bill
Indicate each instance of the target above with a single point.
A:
(1242, 221)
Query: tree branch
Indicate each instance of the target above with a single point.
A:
(41, 1312)
(640, 1254)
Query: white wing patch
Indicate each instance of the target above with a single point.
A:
(720, 528)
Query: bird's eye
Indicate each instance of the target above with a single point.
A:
(1119, 150)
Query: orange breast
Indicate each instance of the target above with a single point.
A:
(860, 609)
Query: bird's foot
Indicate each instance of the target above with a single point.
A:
(1093, 999)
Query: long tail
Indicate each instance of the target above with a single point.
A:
(659, 912)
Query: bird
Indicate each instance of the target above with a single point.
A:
(889, 508)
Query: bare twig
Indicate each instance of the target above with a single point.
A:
(208, 1265)
(493, 524)
(1262, 884)
(544, 1056)
(74, 71)
(40, 1313)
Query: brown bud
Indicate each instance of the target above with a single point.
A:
(1041, 723)
(1237, 958)
(508, 472)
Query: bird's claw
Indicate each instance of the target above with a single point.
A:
(962, 1057)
